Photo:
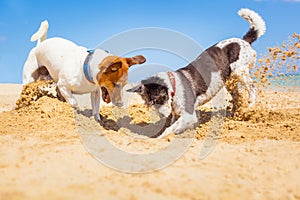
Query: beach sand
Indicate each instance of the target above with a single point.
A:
(42, 156)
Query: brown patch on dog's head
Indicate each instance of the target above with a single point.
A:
(113, 76)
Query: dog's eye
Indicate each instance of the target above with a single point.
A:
(116, 66)
(117, 85)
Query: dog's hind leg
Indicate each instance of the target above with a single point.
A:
(248, 83)
(243, 75)
(30, 66)
(67, 94)
(232, 88)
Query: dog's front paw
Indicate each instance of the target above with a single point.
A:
(165, 133)
(97, 117)
(73, 103)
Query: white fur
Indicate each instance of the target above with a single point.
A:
(254, 20)
(64, 61)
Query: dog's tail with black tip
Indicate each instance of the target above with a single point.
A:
(257, 25)
(41, 34)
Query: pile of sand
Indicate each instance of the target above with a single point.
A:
(33, 91)
(38, 109)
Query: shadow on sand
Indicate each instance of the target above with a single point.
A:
(151, 130)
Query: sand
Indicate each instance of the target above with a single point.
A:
(42, 155)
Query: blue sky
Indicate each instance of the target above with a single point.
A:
(88, 23)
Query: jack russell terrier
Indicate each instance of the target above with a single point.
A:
(77, 70)
(179, 93)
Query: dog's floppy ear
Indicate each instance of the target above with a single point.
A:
(137, 89)
(139, 59)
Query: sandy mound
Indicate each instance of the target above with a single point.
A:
(38, 109)
(33, 91)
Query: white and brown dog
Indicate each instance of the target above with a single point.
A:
(179, 93)
(77, 70)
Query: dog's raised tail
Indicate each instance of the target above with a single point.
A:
(41, 34)
(257, 24)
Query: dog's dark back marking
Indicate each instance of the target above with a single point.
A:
(250, 36)
(232, 51)
(214, 59)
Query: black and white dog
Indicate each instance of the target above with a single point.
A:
(180, 92)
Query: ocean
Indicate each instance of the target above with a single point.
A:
(284, 82)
